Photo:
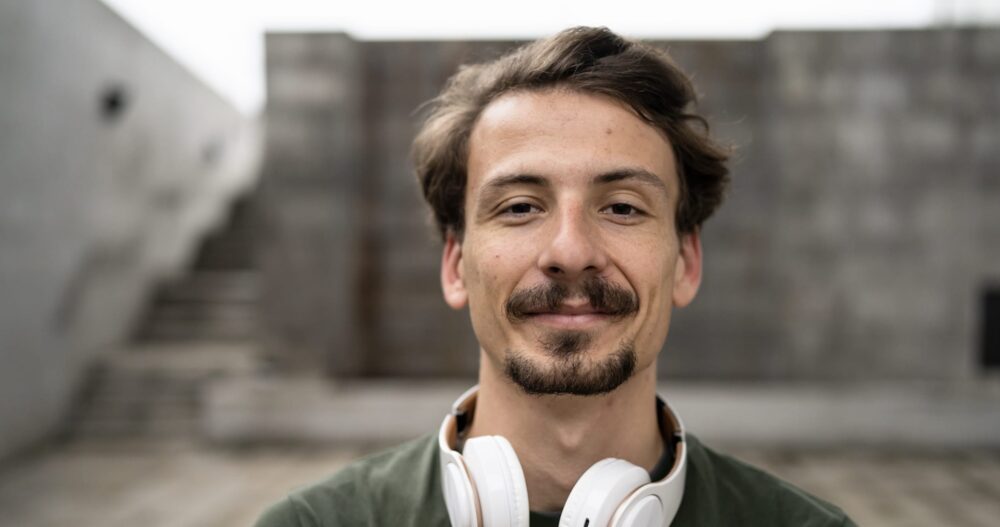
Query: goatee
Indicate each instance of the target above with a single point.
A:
(571, 371)
(571, 374)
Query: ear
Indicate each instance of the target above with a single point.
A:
(452, 282)
(687, 273)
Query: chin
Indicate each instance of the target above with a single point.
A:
(569, 366)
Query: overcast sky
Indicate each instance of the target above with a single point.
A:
(221, 40)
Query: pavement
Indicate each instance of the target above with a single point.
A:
(899, 414)
(188, 483)
(890, 454)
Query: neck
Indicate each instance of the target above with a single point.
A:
(558, 437)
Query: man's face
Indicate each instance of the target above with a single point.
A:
(570, 262)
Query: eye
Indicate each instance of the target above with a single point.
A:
(623, 210)
(520, 209)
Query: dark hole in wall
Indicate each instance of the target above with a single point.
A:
(990, 352)
(112, 102)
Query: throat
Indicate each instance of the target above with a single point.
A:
(557, 438)
(552, 468)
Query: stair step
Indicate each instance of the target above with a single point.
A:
(200, 327)
(153, 381)
(132, 403)
(138, 409)
(189, 360)
(135, 416)
(115, 396)
(156, 390)
(205, 323)
(186, 332)
(204, 313)
(117, 428)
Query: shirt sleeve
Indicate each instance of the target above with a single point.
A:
(848, 522)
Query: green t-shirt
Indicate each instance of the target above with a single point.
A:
(401, 487)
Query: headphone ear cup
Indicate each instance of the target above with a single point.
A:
(459, 496)
(600, 491)
(499, 481)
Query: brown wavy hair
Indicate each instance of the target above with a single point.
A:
(588, 60)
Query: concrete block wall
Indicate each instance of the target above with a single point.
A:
(113, 158)
(858, 236)
(312, 203)
(872, 194)
(416, 333)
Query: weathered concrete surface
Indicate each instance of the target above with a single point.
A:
(312, 204)
(859, 233)
(311, 410)
(156, 485)
(164, 485)
(113, 158)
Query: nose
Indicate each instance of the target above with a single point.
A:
(574, 248)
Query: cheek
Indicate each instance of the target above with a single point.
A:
(651, 273)
(649, 268)
(665, 286)
(488, 272)
(493, 271)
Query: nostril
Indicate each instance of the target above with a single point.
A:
(554, 270)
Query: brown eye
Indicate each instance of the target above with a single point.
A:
(521, 208)
(623, 209)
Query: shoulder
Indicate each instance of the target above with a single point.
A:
(722, 490)
(399, 486)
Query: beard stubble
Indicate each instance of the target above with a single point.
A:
(569, 370)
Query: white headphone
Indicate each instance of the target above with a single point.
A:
(484, 486)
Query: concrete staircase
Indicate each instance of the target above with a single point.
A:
(156, 391)
(197, 328)
(204, 305)
(217, 299)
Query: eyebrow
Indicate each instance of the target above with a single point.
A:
(634, 174)
(497, 185)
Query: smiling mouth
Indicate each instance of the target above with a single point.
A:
(581, 317)
(557, 305)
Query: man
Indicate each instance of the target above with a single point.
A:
(569, 180)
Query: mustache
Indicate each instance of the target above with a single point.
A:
(603, 296)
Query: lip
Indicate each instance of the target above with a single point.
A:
(569, 320)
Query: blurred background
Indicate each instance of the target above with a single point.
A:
(218, 280)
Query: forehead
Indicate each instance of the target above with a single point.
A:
(565, 136)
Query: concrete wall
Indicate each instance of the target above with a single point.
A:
(312, 202)
(858, 237)
(113, 158)
(861, 227)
